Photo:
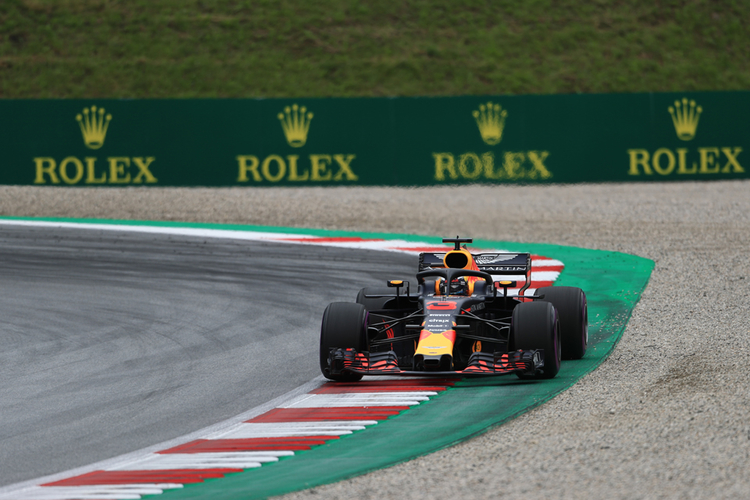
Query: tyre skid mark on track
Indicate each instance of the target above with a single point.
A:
(322, 416)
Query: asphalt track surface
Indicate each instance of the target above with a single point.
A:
(114, 341)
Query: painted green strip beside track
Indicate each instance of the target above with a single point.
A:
(613, 283)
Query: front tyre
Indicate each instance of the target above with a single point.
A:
(534, 325)
(344, 326)
(572, 309)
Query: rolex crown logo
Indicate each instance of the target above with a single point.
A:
(296, 122)
(491, 121)
(685, 118)
(93, 125)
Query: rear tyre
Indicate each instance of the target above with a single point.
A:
(375, 304)
(572, 310)
(534, 325)
(345, 326)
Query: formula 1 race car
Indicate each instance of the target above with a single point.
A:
(461, 321)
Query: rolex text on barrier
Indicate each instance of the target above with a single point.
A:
(409, 141)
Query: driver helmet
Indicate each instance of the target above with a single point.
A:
(459, 286)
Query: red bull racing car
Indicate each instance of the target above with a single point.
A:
(460, 321)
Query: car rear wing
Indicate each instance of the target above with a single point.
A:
(500, 266)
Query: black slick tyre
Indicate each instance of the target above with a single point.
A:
(572, 310)
(374, 304)
(344, 326)
(534, 325)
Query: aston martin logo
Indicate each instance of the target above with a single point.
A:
(493, 258)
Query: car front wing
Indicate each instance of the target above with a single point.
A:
(342, 360)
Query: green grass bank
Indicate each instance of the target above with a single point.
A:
(295, 48)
